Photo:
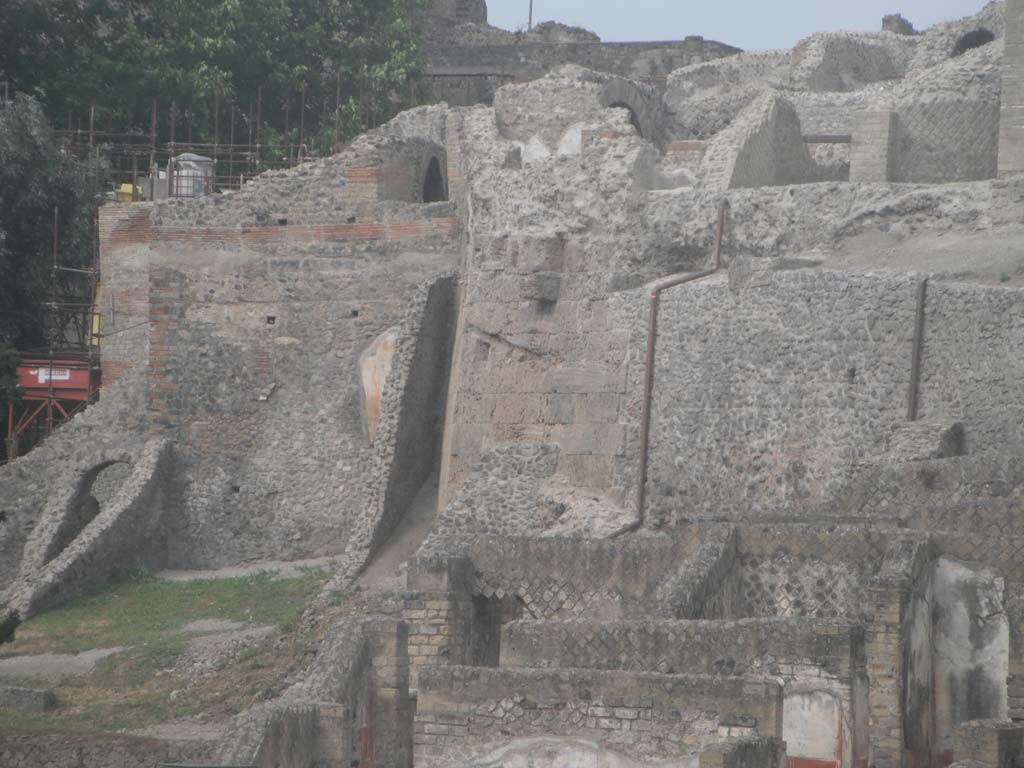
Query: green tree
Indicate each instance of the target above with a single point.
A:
(10, 392)
(123, 54)
(36, 178)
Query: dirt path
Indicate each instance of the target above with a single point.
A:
(54, 666)
(280, 569)
(386, 570)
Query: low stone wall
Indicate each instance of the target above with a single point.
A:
(464, 712)
(833, 395)
(571, 578)
(792, 571)
(64, 750)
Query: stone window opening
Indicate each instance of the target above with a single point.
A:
(971, 40)
(634, 120)
(434, 188)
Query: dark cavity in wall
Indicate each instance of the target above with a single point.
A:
(489, 615)
(434, 188)
(975, 39)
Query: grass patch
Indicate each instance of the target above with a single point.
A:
(146, 616)
(139, 610)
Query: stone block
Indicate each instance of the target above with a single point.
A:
(598, 408)
(588, 439)
(582, 378)
(558, 409)
(544, 287)
(537, 254)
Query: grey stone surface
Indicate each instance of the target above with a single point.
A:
(26, 699)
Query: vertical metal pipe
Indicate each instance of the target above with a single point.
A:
(231, 148)
(288, 127)
(302, 121)
(216, 135)
(152, 152)
(649, 367)
(915, 357)
(530, 24)
(337, 112)
(53, 318)
(92, 123)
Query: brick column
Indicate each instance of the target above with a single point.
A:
(125, 232)
(440, 615)
(166, 310)
(393, 712)
(873, 152)
(885, 671)
(1015, 683)
(1011, 123)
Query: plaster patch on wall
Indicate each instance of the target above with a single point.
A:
(811, 726)
(971, 638)
(374, 367)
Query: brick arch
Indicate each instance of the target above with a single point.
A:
(646, 110)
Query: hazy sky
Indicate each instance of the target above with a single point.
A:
(749, 24)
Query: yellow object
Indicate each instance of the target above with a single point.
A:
(96, 334)
(124, 193)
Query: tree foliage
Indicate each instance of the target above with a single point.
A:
(35, 178)
(122, 54)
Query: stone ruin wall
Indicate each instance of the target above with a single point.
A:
(797, 526)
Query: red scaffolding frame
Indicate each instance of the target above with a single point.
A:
(54, 390)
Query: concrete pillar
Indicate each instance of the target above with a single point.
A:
(1011, 124)
(873, 153)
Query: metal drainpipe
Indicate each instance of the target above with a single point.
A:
(915, 357)
(652, 340)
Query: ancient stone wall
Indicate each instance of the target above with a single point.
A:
(277, 321)
(843, 410)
